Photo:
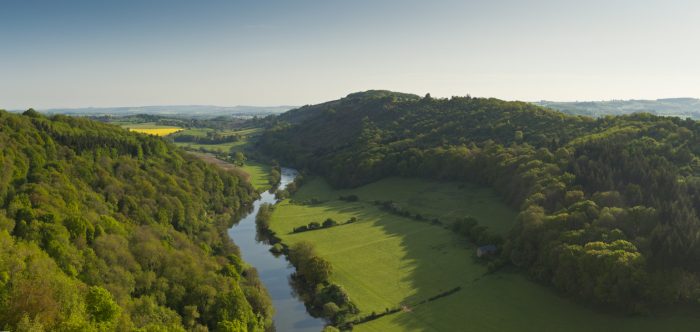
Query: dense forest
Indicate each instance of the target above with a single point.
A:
(608, 206)
(104, 229)
(210, 138)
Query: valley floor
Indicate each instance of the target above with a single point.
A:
(385, 261)
(256, 173)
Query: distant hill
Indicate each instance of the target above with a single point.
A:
(680, 107)
(609, 206)
(181, 110)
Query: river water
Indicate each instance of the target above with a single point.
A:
(290, 313)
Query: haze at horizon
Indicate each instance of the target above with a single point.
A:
(133, 53)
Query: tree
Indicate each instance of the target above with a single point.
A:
(330, 310)
(101, 306)
(316, 270)
(519, 136)
(329, 223)
(239, 158)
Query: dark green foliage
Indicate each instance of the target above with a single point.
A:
(469, 227)
(281, 194)
(103, 229)
(212, 137)
(262, 219)
(329, 223)
(606, 204)
(311, 280)
(277, 248)
(349, 198)
(275, 175)
(314, 225)
(293, 186)
(302, 228)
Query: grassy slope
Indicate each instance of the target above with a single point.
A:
(385, 260)
(259, 174)
(444, 200)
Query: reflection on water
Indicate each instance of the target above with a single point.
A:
(290, 313)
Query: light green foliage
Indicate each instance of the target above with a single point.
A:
(330, 329)
(102, 229)
(100, 305)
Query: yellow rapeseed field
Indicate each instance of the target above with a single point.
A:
(156, 131)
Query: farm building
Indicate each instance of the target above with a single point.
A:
(486, 250)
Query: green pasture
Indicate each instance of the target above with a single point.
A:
(259, 174)
(386, 261)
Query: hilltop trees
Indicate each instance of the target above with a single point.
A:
(606, 205)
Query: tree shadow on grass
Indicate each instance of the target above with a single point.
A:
(388, 261)
(394, 262)
(504, 300)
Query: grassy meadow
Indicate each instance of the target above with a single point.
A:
(384, 261)
(259, 174)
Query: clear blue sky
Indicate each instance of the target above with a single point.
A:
(128, 53)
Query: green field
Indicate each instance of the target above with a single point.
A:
(201, 132)
(443, 200)
(241, 145)
(259, 174)
(384, 261)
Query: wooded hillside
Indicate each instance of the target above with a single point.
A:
(103, 229)
(608, 206)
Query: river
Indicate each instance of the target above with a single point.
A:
(290, 313)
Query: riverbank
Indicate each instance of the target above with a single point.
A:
(273, 271)
(386, 261)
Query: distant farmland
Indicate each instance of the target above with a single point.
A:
(151, 128)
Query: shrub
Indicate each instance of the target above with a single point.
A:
(302, 228)
(349, 198)
(330, 310)
(277, 249)
(329, 223)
